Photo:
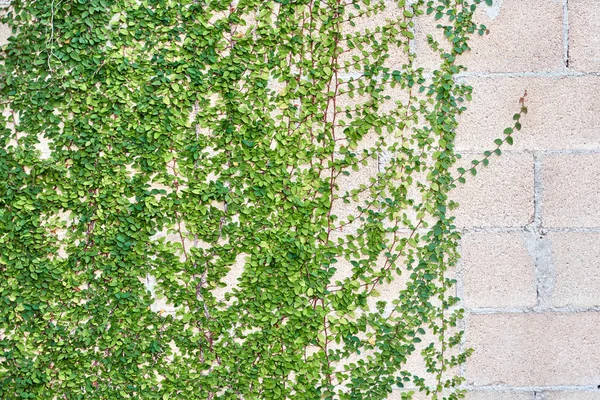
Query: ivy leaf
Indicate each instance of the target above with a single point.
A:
(222, 195)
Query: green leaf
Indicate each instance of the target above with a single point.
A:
(234, 244)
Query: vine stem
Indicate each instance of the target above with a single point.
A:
(499, 143)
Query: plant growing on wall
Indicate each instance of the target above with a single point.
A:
(247, 200)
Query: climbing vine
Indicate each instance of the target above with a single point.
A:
(234, 200)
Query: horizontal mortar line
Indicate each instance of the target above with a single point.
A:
(472, 230)
(514, 389)
(469, 152)
(472, 152)
(420, 231)
(554, 388)
(475, 74)
(573, 151)
(508, 150)
(569, 229)
(528, 228)
(493, 229)
(354, 230)
(524, 74)
(505, 151)
(531, 310)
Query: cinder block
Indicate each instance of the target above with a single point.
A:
(497, 395)
(501, 195)
(576, 259)
(584, 35)
(562, 113)
(573, 395)
(546, 349)
(571, 189)
(497, 270)
(524, 35)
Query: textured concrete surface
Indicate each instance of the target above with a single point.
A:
(573, 395)
(534, 349)
(501, 195)
(577, 264)
(529, 278)
(524, 35)
(498, 395)
(562, 112)
(497, 270)
(584, 35)
(571, 190)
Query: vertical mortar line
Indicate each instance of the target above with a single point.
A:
(566, 33)
(537, 192)
(534, 242)
(459, 271)
(539, 245)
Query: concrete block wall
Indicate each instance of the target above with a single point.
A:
(530, 273)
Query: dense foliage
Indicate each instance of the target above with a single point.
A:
(203, 199)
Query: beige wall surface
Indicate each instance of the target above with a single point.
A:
(530, 273)
(529, 277)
